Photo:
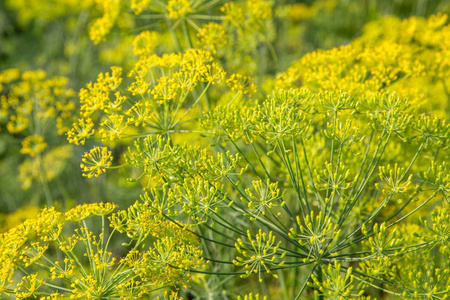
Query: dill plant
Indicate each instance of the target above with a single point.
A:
(323, 185)
(317, 183)
(85, 268)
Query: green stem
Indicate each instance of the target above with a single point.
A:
(195, 103)
(305, 283)
(44, 182)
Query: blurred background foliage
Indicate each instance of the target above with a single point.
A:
(54, 36)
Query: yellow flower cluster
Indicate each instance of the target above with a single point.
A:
(7, 76)
(14, 250)
(392, 55)
(175, 252)
(48, 224)
(178, 9)
(212, 36)
(252, 19)
(33, 145)
(100, 27)
(80, 131)
(243, 84)
(168, 262)
(145, 42)
(139, 5)
(83, 211)
(25, 246)
(96, 162)
(262, 254)
(28, 286)
(162, 84)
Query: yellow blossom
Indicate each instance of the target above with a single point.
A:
(33, 145)
(212, 36)
(139, 5)
(145, 42)
(80, 131)
(178, 9)
(96, 161)
(242, 84)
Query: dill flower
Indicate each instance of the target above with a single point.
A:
(178, 9)
(165, 262)
(214, 73)
(17, 123)
(83, 211)
(242, 84)
(212, 36)
(313, 155)
(100, 27)
(30, 284)
(139, 5)
(33, 145)
(139, 86)
(35, 76)
(48, 225)
(258, 255)
(80, 131)
(145, 42)
(112, 128)
(96, 161)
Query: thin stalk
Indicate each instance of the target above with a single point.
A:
(366, 178)
(174, 36)
(88, 245)
(319, 197)
(186, 34)
(244, 157)
(265, 221)
(319, 275)
(305, 283)
(447, 92)
(193, 24)
(44, 182)
(366, 154)
(414, 210)
(195, 103)
(414, 159)
(196, 234)
(227, 227)
(288, 166)
(385, 201)
(261, 163)
(274, 55)
(300, 174)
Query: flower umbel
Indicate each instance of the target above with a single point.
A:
(33, 145)
(96, 161)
